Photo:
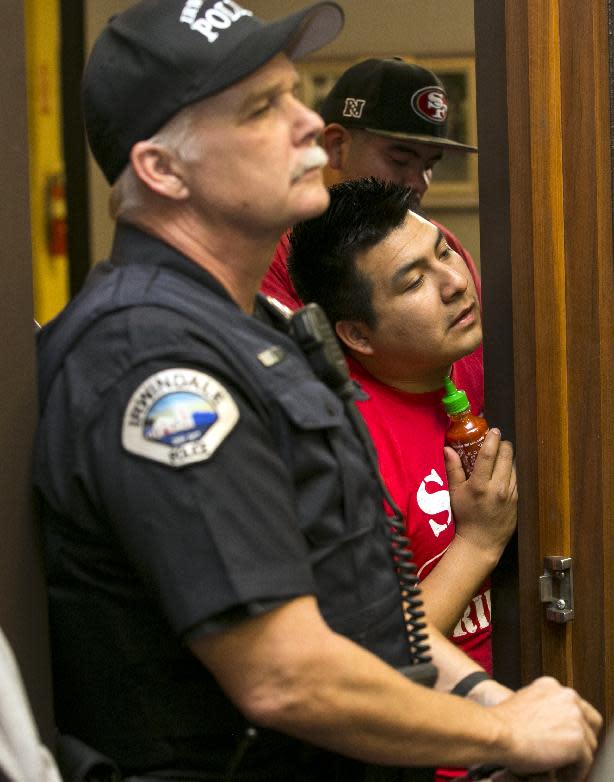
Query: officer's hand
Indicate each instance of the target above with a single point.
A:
(550, 727)
(484, 505)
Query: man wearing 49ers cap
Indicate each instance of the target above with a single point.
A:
(385, 118)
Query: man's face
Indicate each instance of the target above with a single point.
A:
(256, 165)
(426, 306)
(407, 163)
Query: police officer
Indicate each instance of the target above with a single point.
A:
(223, 602)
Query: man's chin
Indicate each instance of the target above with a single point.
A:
(312, 204)
(469, 346)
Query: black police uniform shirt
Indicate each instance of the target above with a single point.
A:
(193, 472)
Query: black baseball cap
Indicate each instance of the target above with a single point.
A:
(161, 55)
(394, 98)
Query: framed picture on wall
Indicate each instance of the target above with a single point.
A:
(455, 180)
(455, 183)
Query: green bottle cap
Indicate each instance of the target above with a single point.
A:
(454, 401)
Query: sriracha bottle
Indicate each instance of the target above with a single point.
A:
(466, 432)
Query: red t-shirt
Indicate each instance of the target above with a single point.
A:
(408, 432)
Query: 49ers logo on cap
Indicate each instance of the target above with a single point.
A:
(431, 103)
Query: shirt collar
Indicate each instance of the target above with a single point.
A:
(133, 245)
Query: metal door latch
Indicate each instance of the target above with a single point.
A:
(556, 588)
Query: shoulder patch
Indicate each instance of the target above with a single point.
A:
(178, 417)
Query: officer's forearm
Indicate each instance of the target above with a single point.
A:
(288, 671)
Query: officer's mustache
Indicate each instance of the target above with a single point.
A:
(313, 157)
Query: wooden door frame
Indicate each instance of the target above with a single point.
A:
(496, 271)
(545, 195)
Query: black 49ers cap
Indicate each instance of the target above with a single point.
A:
(394, 98)
(161, 55)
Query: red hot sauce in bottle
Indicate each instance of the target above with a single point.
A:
(466, 432)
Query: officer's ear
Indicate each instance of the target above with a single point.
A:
(159, 170)
(355, 335)
(336, 140)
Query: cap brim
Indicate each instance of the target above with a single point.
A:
(296, 35)
(431, 141)
(320, 24)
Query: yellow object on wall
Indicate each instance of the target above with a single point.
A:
(47, 202)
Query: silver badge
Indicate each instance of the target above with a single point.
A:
(178, 417)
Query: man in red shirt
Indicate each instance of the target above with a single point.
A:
(406, 309)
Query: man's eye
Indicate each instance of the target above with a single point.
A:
(415, 283)
(261, 109)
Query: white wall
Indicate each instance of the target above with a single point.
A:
(424, 28)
